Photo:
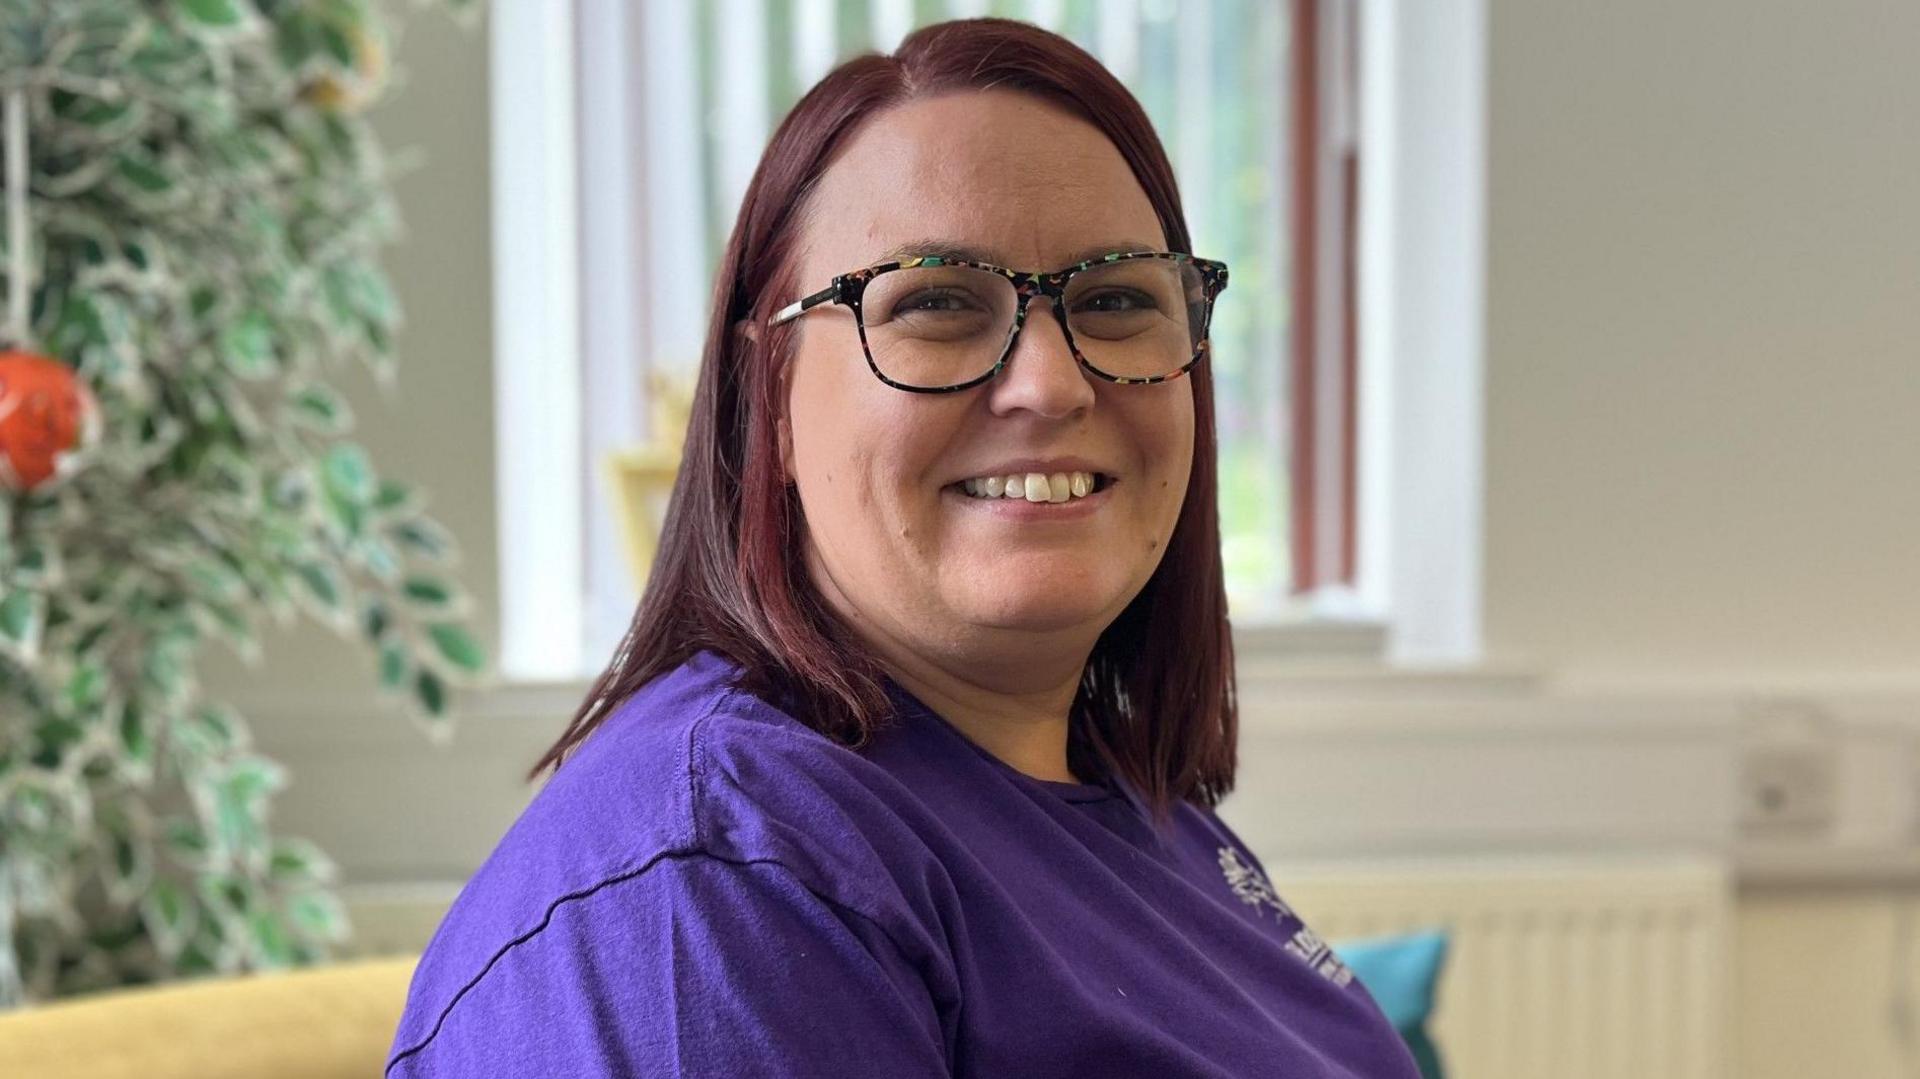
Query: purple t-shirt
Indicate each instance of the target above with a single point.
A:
(708, 887)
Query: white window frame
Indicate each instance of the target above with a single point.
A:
(536, 333)
(1422, 316)
(568, 231)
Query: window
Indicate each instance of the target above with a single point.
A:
(625, 134)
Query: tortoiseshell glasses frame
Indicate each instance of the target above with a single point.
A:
(849, 288)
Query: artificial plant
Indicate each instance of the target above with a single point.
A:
(204, 206)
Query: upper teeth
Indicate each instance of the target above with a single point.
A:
(1032, 486)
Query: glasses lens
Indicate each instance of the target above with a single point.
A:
(1137, 318)
(934, 326)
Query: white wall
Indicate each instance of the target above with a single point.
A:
(1703, 368)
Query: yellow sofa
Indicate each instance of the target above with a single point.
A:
(326, 1022)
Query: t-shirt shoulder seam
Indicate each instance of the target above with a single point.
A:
(688, 842)
(440, 1020)
(695, 764)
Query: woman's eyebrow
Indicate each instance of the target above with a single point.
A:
(950, 249)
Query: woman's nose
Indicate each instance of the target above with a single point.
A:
(1041, 374)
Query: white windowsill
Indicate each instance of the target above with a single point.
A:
(1324, 657)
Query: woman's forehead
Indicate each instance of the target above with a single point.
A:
(993, 173)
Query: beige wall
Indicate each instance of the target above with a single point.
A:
(1703, 335)
(1817, 973)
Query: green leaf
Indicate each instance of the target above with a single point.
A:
(211, 732)
(215, 579)
(143, 174)
(79, 325)
(393, 665)
(368, 294)
(428, 591)
(230, 622)
(322, 581)
(431, 691)
(392, 493)
(271, 946)
(117, 319)
(318, 407)
(349, 519)
(299, 861)
(169, 913)
(423, 536)
(319, 915)
(337, 45)
(98, 113)
(114, 934)
(346, 471)
(374, 619)
(252, 778)
(36, 564)
(22, 613)
(291, 489)
(237, 823)
(135, 740)
(163, 669)
(229, 892)
(33, 807)
(246, 346)
(88, 686)
(294, 38)
(128, 865)
(54, 738)
(187, 840)
(197, 959)
(211, 12)
(457, 645)
(381, 559)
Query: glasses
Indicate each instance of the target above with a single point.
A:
(936, 325)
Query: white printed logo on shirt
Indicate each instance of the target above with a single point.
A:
(1253, 889)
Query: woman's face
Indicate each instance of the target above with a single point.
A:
(894, 539)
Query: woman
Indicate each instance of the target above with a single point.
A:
(906, 765)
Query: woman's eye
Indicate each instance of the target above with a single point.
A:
(1115, 300)
(935, 301)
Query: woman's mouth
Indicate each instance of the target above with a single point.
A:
(1056, 487)
(1034, 496)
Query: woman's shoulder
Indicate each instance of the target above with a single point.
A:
(693, 762)
(694, 808)
(690, 765)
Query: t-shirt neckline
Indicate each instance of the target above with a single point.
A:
(1063, 789)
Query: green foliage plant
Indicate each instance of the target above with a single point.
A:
(207, 206)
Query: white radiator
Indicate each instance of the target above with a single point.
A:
(1570, 969)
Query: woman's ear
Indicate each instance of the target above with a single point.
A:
(782, 426)
(785, 431)
(747, 332)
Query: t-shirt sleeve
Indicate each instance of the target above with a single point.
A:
(693, 966)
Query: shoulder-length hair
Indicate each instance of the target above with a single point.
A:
(1156, 699)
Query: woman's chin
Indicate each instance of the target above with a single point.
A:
(1040, 609)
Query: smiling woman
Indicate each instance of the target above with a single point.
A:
(907, 763)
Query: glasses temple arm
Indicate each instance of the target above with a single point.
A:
(793, 309)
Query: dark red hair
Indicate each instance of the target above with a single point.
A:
(1156, 701)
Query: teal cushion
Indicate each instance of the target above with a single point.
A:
(1400, 972)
